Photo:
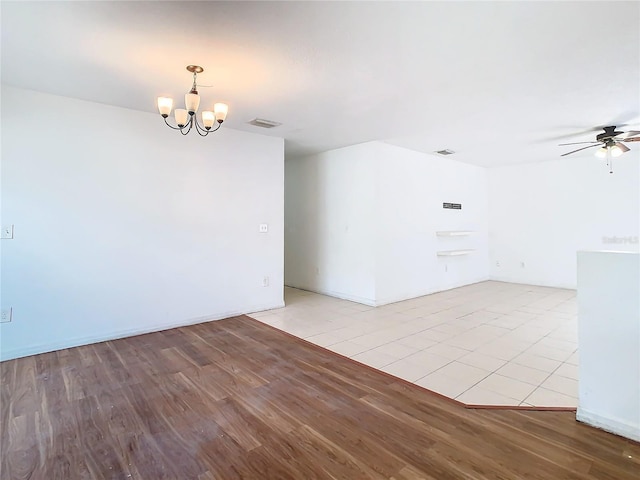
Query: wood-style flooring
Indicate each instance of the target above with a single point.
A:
(236, 399)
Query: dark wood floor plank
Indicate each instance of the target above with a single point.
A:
(470, 426)
(377, 454)
(469, 458)
(23, 392)
(569, 439)
(235, 399)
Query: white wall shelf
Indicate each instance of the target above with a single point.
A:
(453, 253)
(454, 233)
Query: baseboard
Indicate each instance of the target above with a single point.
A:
(331, 293)
(7, 354)
(422, 293)
(617, 427)
(498, 278)
(379, 303)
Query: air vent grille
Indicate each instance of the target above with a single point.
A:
(262, 123)
(446, 151)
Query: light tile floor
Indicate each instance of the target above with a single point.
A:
(490, 343)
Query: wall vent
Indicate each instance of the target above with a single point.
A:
(446, 151)
(262, 123)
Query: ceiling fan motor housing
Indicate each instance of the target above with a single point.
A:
(608, 134)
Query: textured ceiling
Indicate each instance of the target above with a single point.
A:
(496, 82)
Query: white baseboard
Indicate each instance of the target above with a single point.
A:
(378, 303)
(499, 278)
(616, 426)
(422, 293)
(331, 293)
(10, 354)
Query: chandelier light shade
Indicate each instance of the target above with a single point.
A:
(165, 105)
(186, 118)
(220, 110)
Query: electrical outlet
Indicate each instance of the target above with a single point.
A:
(497, 263)
(265, 281)
(7, 232)
(6, 315)
(521, 264)
(264, 228)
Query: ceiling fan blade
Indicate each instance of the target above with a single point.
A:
(569, 135)
(575, 143)
(632, 139)
(583, 148)
(630, 133)
(622, 119)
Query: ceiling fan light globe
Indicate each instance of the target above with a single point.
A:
(616, 151)
(601, 152)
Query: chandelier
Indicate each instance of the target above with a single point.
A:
(186, 117)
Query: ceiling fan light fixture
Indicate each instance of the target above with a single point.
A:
(601, 152)
(615, 151)
(618, 149)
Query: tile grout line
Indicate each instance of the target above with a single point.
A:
(561, 320)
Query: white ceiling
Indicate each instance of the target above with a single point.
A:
(496, 82)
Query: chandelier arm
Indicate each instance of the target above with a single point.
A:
(171, 126)
(211, 130)
(188, 129)
(201, 130)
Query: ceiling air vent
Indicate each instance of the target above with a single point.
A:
(446, 151)
(262, 123)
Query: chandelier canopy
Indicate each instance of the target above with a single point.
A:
(186, 117)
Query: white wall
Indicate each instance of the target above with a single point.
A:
(541, 214)
(609, 341)
(330, 204)
(123, 226)
(412, 187)
(361, 222)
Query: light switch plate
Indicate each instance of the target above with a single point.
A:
(6, 315)
(7, 231)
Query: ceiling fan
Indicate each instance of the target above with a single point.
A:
(609, 141)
